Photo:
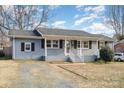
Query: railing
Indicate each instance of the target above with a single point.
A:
(75, 57)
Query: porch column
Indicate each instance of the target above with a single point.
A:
(98, 48)
(65, 50)
(45, 47)
(80, 49)
(13, 48)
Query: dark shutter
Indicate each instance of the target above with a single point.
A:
(75, 44)
(61, 43)
(106, 43)
(42, 43)
(32, 46)
(98, 45)
(22, 46)
(90, 44)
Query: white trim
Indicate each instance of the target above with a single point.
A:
(13, 56)
(40, 33)
(80, 49)
(45, 48)
(25, 46)
(30, 37)
(70, 36)
(65, 50)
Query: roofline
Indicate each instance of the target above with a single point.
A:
(97, 38)
(39, 32)
(45, 36)
(31, 37)
(64, 29)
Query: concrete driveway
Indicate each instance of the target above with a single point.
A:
(28, 74)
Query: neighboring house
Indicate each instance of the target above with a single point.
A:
(57, 44)
(119, 46)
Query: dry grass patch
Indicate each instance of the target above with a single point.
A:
(99, 75)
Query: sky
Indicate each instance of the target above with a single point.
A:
(88, 18)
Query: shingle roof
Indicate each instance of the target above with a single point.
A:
(68, 32)
(62, 32)
(21, 33)
(103, 37)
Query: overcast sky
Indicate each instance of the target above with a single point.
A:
(88, 18)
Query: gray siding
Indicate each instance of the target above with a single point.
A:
(52, 54)
(28, 55)
(55, 55)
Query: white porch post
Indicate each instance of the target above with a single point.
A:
(98, 48)
(80, 49)
(65, 50)
(45, 47)
(13, 56)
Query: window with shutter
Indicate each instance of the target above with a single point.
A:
(22, 46)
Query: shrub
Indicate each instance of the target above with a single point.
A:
(2, 54)
(106, 54)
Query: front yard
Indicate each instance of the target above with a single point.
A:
(98, 75)
(68, 75)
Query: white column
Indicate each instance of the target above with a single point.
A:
(97, 49)
(80, 49)
(65, 50)
(13, 53)
(45, 47)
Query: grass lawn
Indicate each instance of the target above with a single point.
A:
(97, 75)
(29, 73)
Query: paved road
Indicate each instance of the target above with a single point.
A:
(42, 75)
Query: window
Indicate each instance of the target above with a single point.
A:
(55, 44)
(49, 43)
(78, 44)
(28, 47)
(86, 44)
(52, 43)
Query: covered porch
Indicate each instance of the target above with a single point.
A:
(73, 47)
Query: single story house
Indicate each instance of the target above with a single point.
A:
(119, 46)
(57, 44)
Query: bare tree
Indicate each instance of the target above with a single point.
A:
(22, 17)
(115, 15)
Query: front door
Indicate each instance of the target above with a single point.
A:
(70, 45)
